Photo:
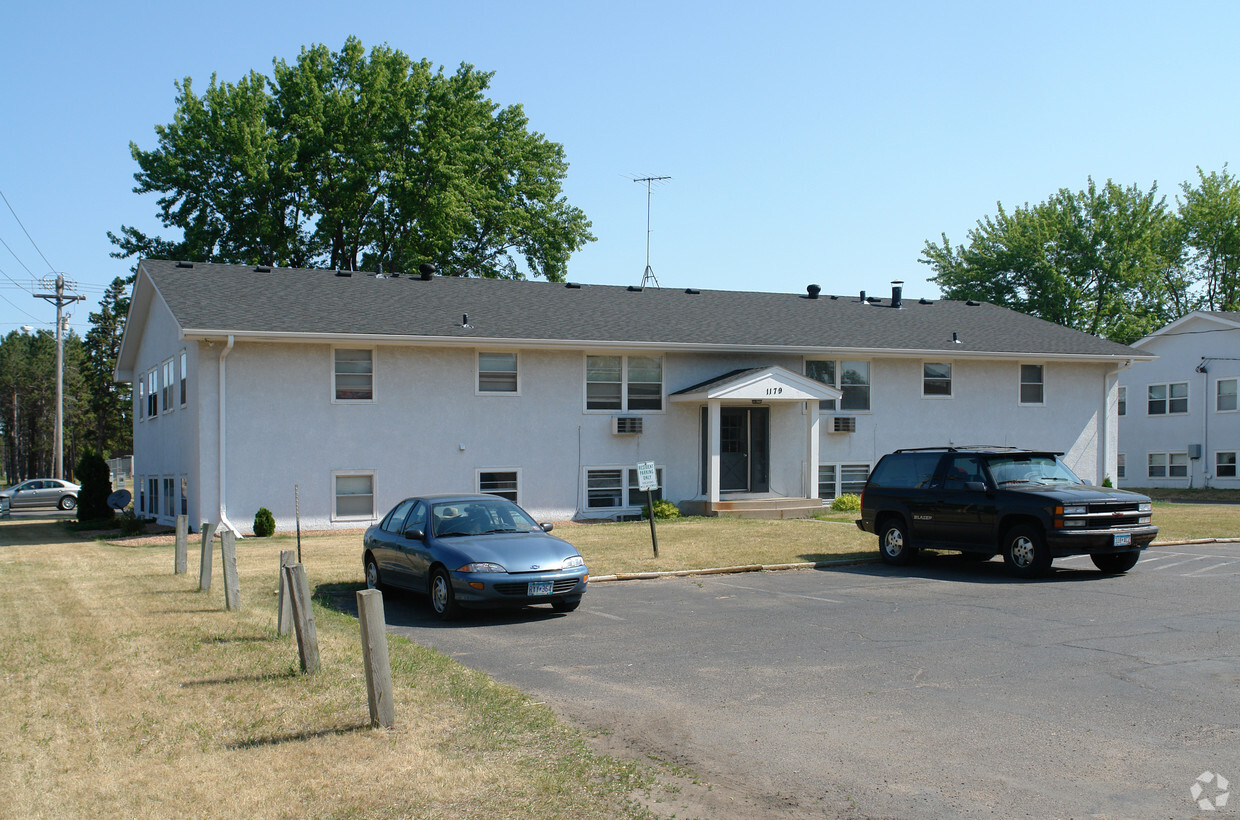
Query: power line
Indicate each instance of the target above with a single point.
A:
(50, 266)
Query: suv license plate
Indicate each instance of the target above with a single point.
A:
(544, 587)
(1122, 539)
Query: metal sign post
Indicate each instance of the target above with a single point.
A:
(648, 480)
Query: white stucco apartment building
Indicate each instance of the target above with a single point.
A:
(361, 390)
(1179, 422)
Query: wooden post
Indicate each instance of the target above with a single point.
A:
(232, 587)
(284, 620)
(204, 562)
(375, 658)
(181, 560)
(303, 617)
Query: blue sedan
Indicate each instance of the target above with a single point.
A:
(476, 551)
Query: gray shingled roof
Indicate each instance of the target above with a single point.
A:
(213, 298)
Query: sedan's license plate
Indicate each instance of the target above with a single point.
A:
(1123, 539)
(539, 588)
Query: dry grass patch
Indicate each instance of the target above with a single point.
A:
(128, 693)
(1184, 522)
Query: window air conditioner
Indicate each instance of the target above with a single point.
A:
(626, 425)
(843, 424)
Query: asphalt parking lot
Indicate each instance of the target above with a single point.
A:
(943, 689)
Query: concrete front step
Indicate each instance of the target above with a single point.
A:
(755, 507)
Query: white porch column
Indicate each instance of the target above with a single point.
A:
(713, 418)
(812, 448)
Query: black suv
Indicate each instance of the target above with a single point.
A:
(1025, 504)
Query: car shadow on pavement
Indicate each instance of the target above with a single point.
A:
(401, 608)
(952, 566)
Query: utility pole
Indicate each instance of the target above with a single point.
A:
(648, 275)
(60, 300)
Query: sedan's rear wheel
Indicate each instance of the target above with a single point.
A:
(443, 599)
(373, 580)
(893, 544)
(1114, 563)
(1025, 552)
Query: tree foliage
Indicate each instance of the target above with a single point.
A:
(349, 160)
(1101, 260)
(109, 401)
(96, 480)
(1209, 222)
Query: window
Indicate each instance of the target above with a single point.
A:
(617, 487)
(624, 383)
(1031, 384)
(354, 375)
(354, 495)
(842, 479)
(170, 498)
(184, 366)
(1120, 470)
(825, 373)
(1225, 396)
(395, 520)
(141, 399)
(501, 483)
(184, 495)
(1123, 401)
(1166, 399)
(1225, 465)
(152, 500)
(936, 379)
(1167, 465)
(169, 378)
(497, 372)
(152, 393)
(140, 485)
(855, 385)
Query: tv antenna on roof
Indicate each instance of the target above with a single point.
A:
(648, 274)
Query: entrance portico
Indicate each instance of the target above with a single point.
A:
(737, 442)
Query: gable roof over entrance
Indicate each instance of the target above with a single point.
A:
(767, 384)
(211, 300)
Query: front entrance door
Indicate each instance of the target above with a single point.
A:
(744, 449)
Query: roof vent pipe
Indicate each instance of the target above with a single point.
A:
(813, 291)
(897, 293)
(863, 297)
(427, 269)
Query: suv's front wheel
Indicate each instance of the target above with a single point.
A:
(1025, 552)
(893, 544)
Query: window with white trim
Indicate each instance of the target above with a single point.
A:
(1225, 396)
(823, 371)
(503, 483)
(140, 486)
(1167, 465)
(353, 374)
(353, 495)
(170, 498)
(841, 479)
(1225, 464)
(169, 377)
(1032, 384)
(618, 488)
(625, 383)
(497, 372)
(152, 498)
(152, 392)
(1123, 402)
(184, 495)
(936, 379)
(140, 394)
(1167, 399)
(1121, 470)
(184, 378)
(852, 379)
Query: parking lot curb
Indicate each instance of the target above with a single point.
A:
(680, 573)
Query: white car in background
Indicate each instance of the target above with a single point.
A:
(41, 492)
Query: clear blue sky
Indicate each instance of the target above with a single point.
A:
(813, 141)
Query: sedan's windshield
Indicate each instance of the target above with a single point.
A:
(480, 517)
(1030, 470)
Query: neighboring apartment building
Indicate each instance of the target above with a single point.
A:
(363, 389)
(1179, 422)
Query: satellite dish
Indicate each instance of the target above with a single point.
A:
(119, 500)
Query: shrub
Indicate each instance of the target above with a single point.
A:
(96, 480)
(662, 509)
(846, 503)
(131, 524)
(264, 522)
(1106, 481)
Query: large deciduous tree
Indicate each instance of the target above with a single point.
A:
(1101, 260)
(349, 160)
(1209, 222)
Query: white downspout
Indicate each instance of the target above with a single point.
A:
(224, 522)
